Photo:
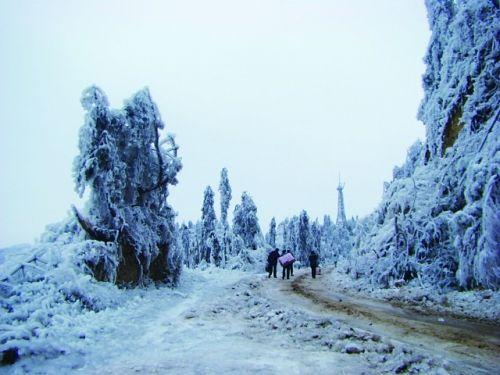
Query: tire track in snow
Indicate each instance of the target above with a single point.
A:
(466, 342)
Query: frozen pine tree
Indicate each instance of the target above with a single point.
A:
(316, 238)
(185, 238)
(304, 239)
(281, 233)
(327, 240)
(127, 169)
(225, 195)
(293, 236)
(197, 240)
(245, 221)
(208, 221)
(224, 235)
(341, 242)
(271, 236)
(214, 244)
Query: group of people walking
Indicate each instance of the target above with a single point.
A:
(286, 261)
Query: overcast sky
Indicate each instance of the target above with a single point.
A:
(286, 94)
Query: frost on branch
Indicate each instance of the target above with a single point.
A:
(127, 169)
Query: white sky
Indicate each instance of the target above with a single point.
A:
(285, 94)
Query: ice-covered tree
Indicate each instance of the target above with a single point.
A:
(327, 240)
(127, 169)
(304, 238)
(434, 221)
(281, 233)
(208, 221)
(316, 237)
(245, 221)
(197, 241)
(292, 239)
(271, 236)
(489, 258)
(341, 241)
(186, 242)
(225, 195)
(223, 233)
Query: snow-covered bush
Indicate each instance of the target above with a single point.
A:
(50, 284)
(247, 259)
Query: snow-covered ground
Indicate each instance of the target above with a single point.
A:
(220, 321)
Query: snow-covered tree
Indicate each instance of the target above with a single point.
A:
(215, 245)
(316, 238)
(208, 221)
(245, 221)
(271, 236)
(293, 236)
(127, 169)
(490, 243)
(281, 234)
(223, 234)
(341, 241)
(304, 239)
(435, 220)
(187, 237)
(327, 240)
(225, 195)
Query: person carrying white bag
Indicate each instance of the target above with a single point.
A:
(286, 260)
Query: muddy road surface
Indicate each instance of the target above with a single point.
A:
(470, 345)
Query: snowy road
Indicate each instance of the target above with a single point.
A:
(467, 344)
(228, 322)
(210, 332)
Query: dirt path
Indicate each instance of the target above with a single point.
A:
(464, 343)
(227, 322)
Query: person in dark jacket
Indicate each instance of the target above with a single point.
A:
(272, 262)
(313, 262)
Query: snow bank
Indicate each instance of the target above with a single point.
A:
(477, 304)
